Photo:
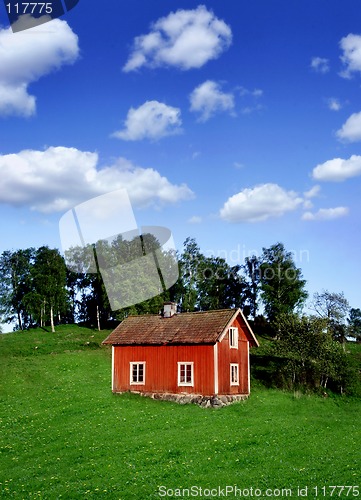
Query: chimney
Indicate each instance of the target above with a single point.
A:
(170, 309)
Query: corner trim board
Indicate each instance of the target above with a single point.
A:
(215, 362)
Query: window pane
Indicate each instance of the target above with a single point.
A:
(182, 374)
(233, 337)
(189, 374)
(134, 376)
(140, 372)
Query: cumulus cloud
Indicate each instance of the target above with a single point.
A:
(334, 104)
(351, 57)
(58, 178)
(255, 93)
(308, 195)
(208, 99)
(259, 204)
(252, 96)
(185, 39)
(351, 129)
(195, 219)
(152, 120)
(320, 64)
(29, 55)
(326, 214)
(311, 193)
(338, 169)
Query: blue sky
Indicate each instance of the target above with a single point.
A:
(237, 123)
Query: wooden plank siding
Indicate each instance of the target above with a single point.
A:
(161, 370)
(228, 355)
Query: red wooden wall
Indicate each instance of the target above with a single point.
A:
(161, 373)
(226, 356)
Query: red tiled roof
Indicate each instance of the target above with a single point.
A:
(185, 328)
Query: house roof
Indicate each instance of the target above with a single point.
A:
(204, 327)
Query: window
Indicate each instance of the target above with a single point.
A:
(233, 337)
(185, 373)
(137, 373)
(234, 374)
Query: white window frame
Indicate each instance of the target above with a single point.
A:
(131, 365)
(185, 363)
(234, 380)
(233, 337)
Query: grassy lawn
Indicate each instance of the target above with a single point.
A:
(65, 435)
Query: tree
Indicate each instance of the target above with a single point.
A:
(354, 323)
(282, 286)
(334, 308)
(251, 267)
(187, 286)
(15, 283)
(312, 357)
(220, 286)
(207, 282)
(47, 297)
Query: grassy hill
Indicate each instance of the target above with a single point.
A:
(65, 435)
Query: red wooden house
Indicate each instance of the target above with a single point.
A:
(204, 353)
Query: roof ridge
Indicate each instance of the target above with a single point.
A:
(147, 315)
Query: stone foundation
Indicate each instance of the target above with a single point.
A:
(203, 401)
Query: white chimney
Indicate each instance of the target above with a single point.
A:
(170, 309)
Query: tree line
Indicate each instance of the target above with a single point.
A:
(37, 288)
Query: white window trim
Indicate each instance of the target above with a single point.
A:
(232, 365)
(235, 337)
(186, 384)
(131, 364)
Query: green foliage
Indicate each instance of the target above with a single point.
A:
(333, 307)
(64, 435)
(283, 289)
(306, 357)
(32, 286)
(354, 323)
(251, 268)
(207, 282)
(15, 284)
(48, 278)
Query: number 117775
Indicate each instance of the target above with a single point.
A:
(30, 8)
(336, 491)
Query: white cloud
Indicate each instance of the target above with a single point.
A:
(334, 104)
(338, 169)
(351, 58)
(351, 129)
(259, 204)
(308, 195)
(251, 109)
(307, 204)
(311, 193)
(195, 219)
(27, 56)
(326, 214)
(208, 99)
(252, 96)
(59, 178)
(255, 93)
(320, 64)
(152, 120)
(185, 39)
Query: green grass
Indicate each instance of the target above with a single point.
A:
(65, 435)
